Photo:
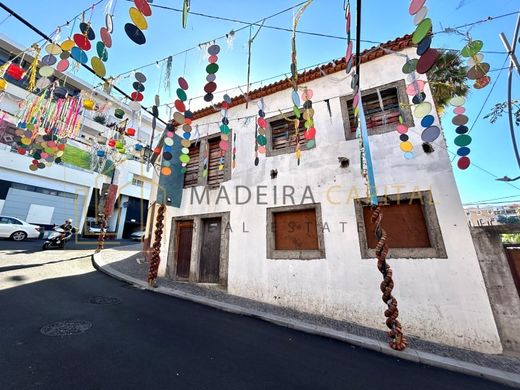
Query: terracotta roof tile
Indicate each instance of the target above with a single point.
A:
(312, 74)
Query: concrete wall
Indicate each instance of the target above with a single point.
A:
(442, 300)
(499, 282)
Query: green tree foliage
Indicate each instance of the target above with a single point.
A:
(447, 79)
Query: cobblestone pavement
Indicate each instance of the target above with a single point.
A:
(136, 267)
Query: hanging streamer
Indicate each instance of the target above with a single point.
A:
(168, 75)
(185, 11)
(249, 45)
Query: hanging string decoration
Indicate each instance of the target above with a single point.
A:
(224, 131)
(462, 140)
(83, 42)
(167, 155)
(211, 69)
(428, 56)
(398, 342)
(44, 126)
(294, 79)
(260, 131)
(33, 69)
(137, 96)
(156, 247)
(349, 60)
(138, 15)
(103, 45)
(308, 116)
(477, 69)
(64, 51)
(183, 117)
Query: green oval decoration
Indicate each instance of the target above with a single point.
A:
(410, 66)
(261, 140)
(212, 68)
(205, 173)
(462, 140)
(310, 144)
(309, 123)
(183, 170)
(181, 94)
(224, 129)
(422, 30)
(184, 158)
(472, 48)
(296, 112)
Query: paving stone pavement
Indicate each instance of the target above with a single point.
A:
(129, 261)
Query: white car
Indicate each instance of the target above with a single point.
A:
(137, 236)
(17, 230)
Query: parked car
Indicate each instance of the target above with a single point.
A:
(17, 230)
(137, 236)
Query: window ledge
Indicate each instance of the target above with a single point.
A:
(296, 255)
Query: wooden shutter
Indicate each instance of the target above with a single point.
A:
(374, 116)
(296, 230)
(191, 176)
(214, 175)
(283, 135)
(404, 223)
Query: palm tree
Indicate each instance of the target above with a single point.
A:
(447, 79)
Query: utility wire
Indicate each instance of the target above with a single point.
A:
(211, 40)
(259, 23)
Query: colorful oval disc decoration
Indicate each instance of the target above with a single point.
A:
(98, 66)
(79, 55)
(422, 30)
(135, 34)
(138, 18)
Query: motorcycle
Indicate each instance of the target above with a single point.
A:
(55, 239)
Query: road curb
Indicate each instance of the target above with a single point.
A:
(503, 377)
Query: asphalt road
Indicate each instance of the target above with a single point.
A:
(138, 339)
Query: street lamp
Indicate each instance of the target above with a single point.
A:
(507, 179)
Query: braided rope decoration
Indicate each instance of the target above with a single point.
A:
(102, 233)
(156, 247)
(398, 342)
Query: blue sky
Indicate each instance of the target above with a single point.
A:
(491, 154)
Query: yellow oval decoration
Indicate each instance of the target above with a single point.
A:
(53, 49)
(138, 18)
(186, 143)
(68, 44)
(98, 66)
(3, 84)
(406, 146)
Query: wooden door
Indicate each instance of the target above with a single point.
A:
(513, 256)
(184, 238)
(210, 251)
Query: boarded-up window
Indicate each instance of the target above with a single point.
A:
(380, 109)
(191, 176)
(296, 230)
(404, 223)
(283, 135)
(215, 176)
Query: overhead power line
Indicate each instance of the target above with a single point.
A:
(311, 33)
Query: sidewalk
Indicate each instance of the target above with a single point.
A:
(127, 264)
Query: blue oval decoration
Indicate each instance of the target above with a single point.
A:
(295, 98)
(464, 151)
(79, 55)
(427, 121)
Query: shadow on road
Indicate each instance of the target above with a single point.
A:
(23, 266)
